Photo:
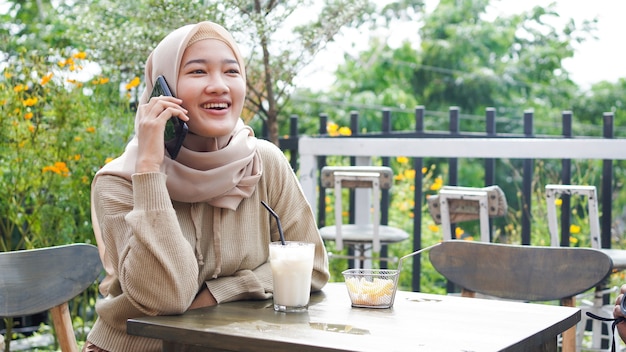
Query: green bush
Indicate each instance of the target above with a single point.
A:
(57, 129)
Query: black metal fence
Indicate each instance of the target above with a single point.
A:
(607, 185)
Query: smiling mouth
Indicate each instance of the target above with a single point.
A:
(215, 106)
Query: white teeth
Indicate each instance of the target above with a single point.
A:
(215, 106)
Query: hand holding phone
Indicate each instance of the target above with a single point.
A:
(175, 129)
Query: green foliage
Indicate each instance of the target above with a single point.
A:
(603, 97)
(469, 60)
(272, 35)
(121, 34)
(56, 139)
(57, 131)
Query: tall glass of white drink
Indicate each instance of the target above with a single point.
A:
(292, 267)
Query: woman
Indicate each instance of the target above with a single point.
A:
(180, 234)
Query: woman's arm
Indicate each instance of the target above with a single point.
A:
(154, 264)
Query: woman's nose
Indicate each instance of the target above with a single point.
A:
(216, 84)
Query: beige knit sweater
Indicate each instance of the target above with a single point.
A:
(164, 253)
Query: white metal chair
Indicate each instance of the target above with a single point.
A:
(37, 280)
(455, 204)
(367, 233)
(600, 330)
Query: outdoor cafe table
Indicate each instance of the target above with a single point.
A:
(417, 322)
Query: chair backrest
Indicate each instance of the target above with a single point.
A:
(552, 191)
(37, 280)
(373, 177)
(456, 204)
(517, 272)
(384, 175)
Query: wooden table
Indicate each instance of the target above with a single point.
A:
(417, 322)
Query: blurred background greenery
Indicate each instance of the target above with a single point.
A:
(72, 72)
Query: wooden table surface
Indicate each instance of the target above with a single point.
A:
(417, 322)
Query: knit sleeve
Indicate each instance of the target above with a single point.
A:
(154, 264)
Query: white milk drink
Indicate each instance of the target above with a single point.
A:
(292, 267)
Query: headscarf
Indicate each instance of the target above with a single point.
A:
(222, 177)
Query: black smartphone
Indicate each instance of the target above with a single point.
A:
(175, 129)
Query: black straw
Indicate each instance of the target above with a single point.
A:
(280, 228)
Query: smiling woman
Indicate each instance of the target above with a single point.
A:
(212, 89)
(194, 222)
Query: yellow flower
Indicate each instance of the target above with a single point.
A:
(399, 177)
(59, 168)
(28, 116)
(573, 240)
(20, 88)
(402, 159)
(133, 83)
(437, 184)
(29, 101)
(76, 157)
(458, 232)
(558, 202)
(345, 131)
(101, 80)
(410, 174)
(573, 229)
(7, 74)
(81, 55)
(77, 139)
(424, 170)
(108, 160)
(91, 129)
(332, 128)
(68, 62)
(433, 228)
(45, 79)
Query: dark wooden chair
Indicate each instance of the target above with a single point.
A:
(526, 273)
(38, 280)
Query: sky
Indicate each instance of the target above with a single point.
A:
(594, 60)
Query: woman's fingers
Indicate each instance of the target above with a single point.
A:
(152, 118)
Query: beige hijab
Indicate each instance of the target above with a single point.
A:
(222, 177)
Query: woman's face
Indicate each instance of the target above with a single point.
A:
(211, 88)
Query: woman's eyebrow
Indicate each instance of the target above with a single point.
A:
(205, 61)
